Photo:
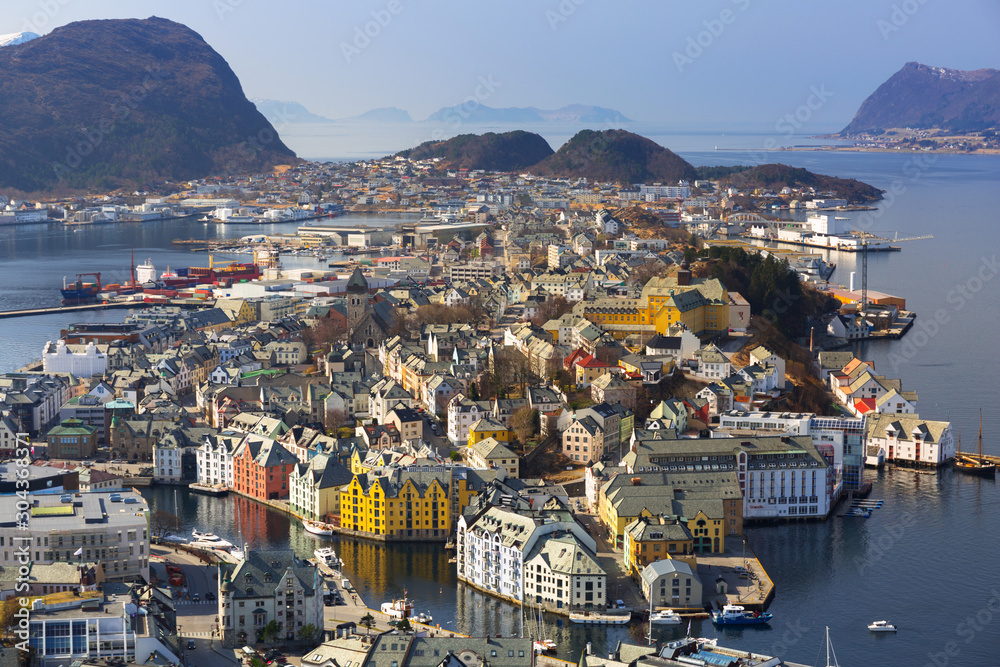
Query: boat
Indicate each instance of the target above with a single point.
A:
(974, 465)
(199, 275)
(327, 556)
(399, 608)
(600, 618)
(665, 617)
(208, 541)
(426, 619)
(734, 614)
(829, 650)
(78, 290)
(881, 626)
(541, 646)
(318, 528)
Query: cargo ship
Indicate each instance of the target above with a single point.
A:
(79, 291)
(200, 275)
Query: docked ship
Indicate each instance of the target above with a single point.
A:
(733, 614)
(79, 291)
(200, 275)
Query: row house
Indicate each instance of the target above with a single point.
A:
(385, 395)
(463, 413)
(315, 486)
(261, 467)
(214, 459)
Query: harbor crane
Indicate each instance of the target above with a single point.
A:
(877, 237)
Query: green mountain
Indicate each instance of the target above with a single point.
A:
(510, 151)
(98, 104)
(615, 155)
(923, 97)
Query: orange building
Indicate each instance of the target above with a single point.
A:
(261, 467)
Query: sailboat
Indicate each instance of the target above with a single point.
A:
(974, 465)
(829, 651)
(542, 645)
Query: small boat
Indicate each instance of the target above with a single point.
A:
(398, 608)
(544, 646)
(881, 626)
(327, 556)
(318, 528)
(974, 465)
(426, 619)
(665, 617)
(734, 614)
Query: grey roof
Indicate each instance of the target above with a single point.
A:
(260, 573)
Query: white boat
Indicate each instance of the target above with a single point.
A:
(399, 609)
(318, 528)
(881, 626)
(327, 556)
(426, 619)
(665, 617)
(208, 541)
(544, 646)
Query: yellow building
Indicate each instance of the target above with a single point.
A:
(400, 504)
(488, 428)
(649, 539)
(700, 303)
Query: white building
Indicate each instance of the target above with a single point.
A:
(500, 548)
(215, 459)
(463, 413)
(910, 439)
(109, 527)
(80, 360)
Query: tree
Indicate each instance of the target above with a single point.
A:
(335, 419)
(524, 422)
(328, 332)
(162, 522)
(551, 309)
(368, 621)
(271, 632)
(404, 625)
(8, 620)
(308, 633)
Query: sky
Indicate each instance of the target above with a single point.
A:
(725, 63)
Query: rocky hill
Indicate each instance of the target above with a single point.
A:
(919, 96)
(510, 151)
(98, 104)
(777, 176)
(615, 155)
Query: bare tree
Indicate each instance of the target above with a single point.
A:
(162, 522)
(525, 423)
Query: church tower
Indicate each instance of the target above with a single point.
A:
(357, 299)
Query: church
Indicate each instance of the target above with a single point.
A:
(367, 324)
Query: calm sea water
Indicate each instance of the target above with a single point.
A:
(924, 561)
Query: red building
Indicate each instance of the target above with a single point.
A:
(261, 467)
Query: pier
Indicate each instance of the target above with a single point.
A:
(72, 309)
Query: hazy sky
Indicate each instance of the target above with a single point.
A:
(724, 63)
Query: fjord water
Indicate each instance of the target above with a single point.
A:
(925, 561)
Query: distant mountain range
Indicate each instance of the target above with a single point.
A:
(924, 97)
(573, 113)
(283, 113)
(99, 104)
